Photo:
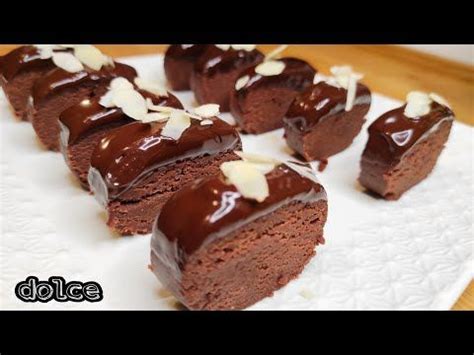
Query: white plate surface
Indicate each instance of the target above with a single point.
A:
(415, 253)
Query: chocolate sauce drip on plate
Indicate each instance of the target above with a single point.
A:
(393, 133)
(130, 153)
(209, 209)
(322, 100)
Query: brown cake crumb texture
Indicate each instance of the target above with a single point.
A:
(264, 109)
(252, 262)
(135, 210)
(214, 89)
(329, 136)
(18, 90)
(415, 166)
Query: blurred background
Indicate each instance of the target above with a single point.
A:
(459, 53)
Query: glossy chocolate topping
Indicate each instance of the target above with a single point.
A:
(210, 209)
(215, 60)
(59, 79)
(320, 101)
(393, 133)
(22, 58)
(188, 52)
(297, 75)
(130, 153)
(78, 120)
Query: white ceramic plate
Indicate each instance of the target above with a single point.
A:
(415, 253)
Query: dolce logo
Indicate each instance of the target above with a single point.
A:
(57, 289)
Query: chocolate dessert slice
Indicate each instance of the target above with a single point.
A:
(404, 145)
(217, 69)
(261, 96)
(65, 86)
(85, 124)
(179, 62)
(136, 167)
(220, 243)
(325, 118)
(19, 71)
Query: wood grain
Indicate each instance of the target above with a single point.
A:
(389, 70)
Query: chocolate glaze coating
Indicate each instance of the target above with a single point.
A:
(297, 75)
(130, 153)
(78, 120)
(59, 79)
(223, 68)
(321, 101)
(22, 58)
(179, 62)
(393, 133)
(214, 209)
(216, 61)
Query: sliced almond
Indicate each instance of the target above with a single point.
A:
(270, 68)
(263, 163)
(244, 47)
(351, 92)
(249, 181)
(90, 56)
(150, 86)
(107, 100)
(276, 52)
(120, 83)
(319, 77)
(206, 122)
(439, 99)
(241, 82)
(257, 158)
(158, 108)
(343, 74)
(156, 117)
(418, 104)
(46, 52)
(131, 102)
(178, 122)
(207, 111)
(224, 47)
(67, 61)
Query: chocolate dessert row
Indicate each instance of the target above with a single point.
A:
(229, 232)
(142, 154)
(256, 89)
(320, 115)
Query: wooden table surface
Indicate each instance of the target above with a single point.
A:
(389, 70)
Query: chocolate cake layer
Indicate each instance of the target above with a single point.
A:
(135, 166)
(260, 105)
(179, 63)
(317, 124)
(214, 249)
(59, 90)
(19, 71)
(216, 71)
(85, 124)
(402, 151)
